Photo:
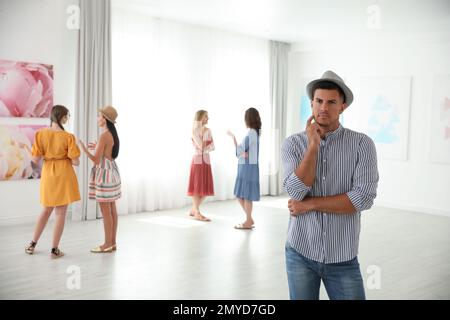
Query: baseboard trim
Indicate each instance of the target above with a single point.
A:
(418, 209)
(26, 219)
(30, 219)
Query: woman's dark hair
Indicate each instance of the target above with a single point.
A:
(112, 129)
(328, 85)
(58, 112)
(253, 120)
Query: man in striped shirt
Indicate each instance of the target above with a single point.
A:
(331, 175)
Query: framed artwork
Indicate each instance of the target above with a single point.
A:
(440, 120)
(384, 111)
(15, 152)
(26, 100)
(26, 89)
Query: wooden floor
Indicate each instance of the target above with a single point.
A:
(165, 255)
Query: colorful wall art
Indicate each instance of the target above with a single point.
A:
(26, 89)
(26, 99)
(440, 120)
(384, 104)
(15, 152)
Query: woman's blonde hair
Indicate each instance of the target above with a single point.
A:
(198, 118)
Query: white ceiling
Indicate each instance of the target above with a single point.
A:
(300, 20)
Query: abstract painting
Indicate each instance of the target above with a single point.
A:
(384, 105)
(26, 89)
(440, 120)
(15, 152)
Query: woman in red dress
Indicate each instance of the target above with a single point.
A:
(200, 180)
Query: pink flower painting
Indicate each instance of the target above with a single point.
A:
(15, 152)
(26, 89)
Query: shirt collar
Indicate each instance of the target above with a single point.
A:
(335, 133)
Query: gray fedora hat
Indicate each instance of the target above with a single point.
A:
(330, 76)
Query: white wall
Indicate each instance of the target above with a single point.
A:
(415, 184)
(36, 31)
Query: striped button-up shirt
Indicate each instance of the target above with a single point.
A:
(346, 164)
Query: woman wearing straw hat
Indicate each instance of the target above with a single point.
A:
(104, 182)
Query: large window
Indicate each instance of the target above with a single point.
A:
(163, 72)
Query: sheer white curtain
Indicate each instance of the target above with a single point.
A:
(278, 87)
(162, 72)
(93, 89)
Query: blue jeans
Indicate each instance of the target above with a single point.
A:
(343, 281)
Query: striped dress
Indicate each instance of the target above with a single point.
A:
(104, 182)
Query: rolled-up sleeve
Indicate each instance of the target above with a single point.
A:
(365, 176)
(291, 158)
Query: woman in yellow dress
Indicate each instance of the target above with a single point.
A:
(59, 184)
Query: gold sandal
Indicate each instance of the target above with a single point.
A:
(100, 250)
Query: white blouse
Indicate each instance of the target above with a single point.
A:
(202, 143)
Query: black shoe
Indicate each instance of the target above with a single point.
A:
(56, 253)
(30, 248)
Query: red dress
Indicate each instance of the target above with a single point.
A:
(200, 179)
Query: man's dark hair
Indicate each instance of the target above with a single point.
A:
(328, 85)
